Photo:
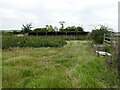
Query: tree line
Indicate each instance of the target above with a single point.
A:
(49, 28)
(96, 35)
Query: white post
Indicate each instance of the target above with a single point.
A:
(104, 38)
(118, 61)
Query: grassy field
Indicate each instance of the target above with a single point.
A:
(72, 66)
(31, 41)
(37, 41)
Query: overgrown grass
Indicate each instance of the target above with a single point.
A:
(40, 41)
(81, 37)
(29, 41)
(71, 66)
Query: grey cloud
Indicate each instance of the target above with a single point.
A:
(42, 12)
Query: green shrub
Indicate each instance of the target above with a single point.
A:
(97, 35)
(29, 41)
(72, 37)
(34, 41)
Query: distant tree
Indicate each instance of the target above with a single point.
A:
(62, 23)
(74, 29)
(80, 29)
(17, 32)
(26, 28)
(40, 30)
(50, 28)
(56, 28)
(47, 27)
(97, 35)
(61, 29)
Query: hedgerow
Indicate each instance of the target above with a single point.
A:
(30, 41)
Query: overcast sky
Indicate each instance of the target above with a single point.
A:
(86, 13)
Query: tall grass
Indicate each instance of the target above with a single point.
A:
(71, 66)
(12, 41)
(32, 41)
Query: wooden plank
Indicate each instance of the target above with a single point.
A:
(107, 41)
(102, 53)
(115, 35)
(108, 37)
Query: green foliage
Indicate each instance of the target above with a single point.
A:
(40, 30)
(73, 28)
(80, 29)
(26, 28)
(4, 33)
(94, 75)
(18, 32)
(62, 24)
(31, 41)
(12, 33)
(49, 28)
(97, 35)
(72, 37)
(12, 41)
(71, 66)
(10, 77)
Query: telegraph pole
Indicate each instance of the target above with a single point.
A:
(118, 56)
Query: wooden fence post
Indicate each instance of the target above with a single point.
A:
(46, 33)
(111, 40)
(104, 38)
(66, 32)
(118, 56)
(37, 33)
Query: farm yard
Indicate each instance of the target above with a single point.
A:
(57, 63)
